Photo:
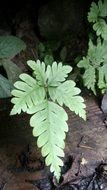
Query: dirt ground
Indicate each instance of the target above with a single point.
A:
(21, 164)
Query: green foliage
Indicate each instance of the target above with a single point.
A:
(5, 87)
(95, 66)
(48, 59)
(43, 96)
(48, 49)
(95, 63)
(98, 16)
(45, 51)
(12, 70)
(9, 47)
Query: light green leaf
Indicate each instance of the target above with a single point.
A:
(97, 15)
(10, 46)
(84, 63)
(94, 13)
(39, 71)
(91, 49)
(101, 28)
(97, 11)
(95, 62)
(68, 94)
(90, 78)
(103, 9)
(49, 125)
(12, 70)
(54, 75)
(57, 73)
(5, 87)
(27, 94)
(96, 53)
(49, 120)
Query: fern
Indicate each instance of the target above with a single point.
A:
(95, 66)
(90, 78)
(97, 16)
(67, 94)
(94, 13)
(43, 96)
(27, 94)
(49, 122)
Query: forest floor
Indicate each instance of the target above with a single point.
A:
(21, 164)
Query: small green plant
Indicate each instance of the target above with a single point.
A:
(95, 66)
(98, 16)
(9, 47)
(43, 96)
(95, 62)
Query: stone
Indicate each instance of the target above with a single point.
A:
(59, 18)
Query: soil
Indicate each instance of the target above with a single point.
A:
(21, 164)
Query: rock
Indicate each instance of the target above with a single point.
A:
(104, 104)
(59, 18)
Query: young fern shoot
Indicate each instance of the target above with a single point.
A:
(43, 96)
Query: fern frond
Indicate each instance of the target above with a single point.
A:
(68, 94)
(94, 13)
(57, 73)
(49, 119)
(101, 28)
(97, 15)
(95, 63)
(96, 53)
(38, 71)
(27, 94)
(49, 125)
(89, 78)
(97, 11)
(103, 8)
(84, 63)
